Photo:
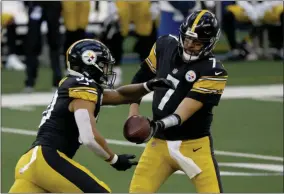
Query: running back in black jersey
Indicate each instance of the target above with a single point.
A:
(202, 80)
(58, 128)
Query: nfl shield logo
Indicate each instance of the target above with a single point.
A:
(175, 70)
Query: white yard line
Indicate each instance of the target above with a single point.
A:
(125, 143)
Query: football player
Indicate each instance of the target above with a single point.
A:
(144, 15)
(182, 117)
(70, 120)
(257, 13)
(76, 19)
(38, 12)
(8, 22)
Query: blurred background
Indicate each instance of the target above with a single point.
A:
(248, 125)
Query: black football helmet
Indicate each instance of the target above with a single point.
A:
(92, 59)
(201, 26)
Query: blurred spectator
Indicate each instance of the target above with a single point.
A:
(76, 19)
(38, 12)
(143, 14)
(257, 14)
(271, 14)
(112, 37)
(12, 62)
(173, 13)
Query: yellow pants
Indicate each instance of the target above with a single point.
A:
(270, 17)
(137, 12)
(156, 165)
(75, 14)
(6, 19)
(43, 169)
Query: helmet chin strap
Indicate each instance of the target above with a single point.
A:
(188, 57)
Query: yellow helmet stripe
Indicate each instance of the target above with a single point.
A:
(197, 20)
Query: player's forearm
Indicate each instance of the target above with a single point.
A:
(102, 142)
(184, 111)
(93, 140)
(187, 108)
(133, 109)
(132, 93)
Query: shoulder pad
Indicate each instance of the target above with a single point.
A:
(213, 67)
(168, 37)
(82, 88)
(216, 71)
(165, 40)
(74, 81)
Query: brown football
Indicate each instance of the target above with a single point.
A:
(136, 129)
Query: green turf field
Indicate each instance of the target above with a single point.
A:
(248, 132)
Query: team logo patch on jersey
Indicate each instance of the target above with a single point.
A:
(190, 76)
(89, 57)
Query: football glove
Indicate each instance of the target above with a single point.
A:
(155, 126)
(123, 162)
(159, 83)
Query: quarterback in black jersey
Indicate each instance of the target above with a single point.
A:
(70, 120)
(182, 117)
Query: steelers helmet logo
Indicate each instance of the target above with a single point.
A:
(89, 57)
(190, 76)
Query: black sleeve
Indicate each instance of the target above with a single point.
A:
(143, 74)
(209, 87)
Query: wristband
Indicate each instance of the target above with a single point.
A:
(146, 87)
(171, 121)
(114, 159)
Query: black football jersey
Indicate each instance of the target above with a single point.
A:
(203, 80)
(58, 128)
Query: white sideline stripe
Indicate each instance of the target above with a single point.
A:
(270, 99)
(227, 173)
(230, 92)
(125, 143)
(256, 166)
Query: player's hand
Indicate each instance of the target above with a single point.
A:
(159, 83)
(124, 162)
(155, 126)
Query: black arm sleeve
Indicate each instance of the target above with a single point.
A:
(143, 74)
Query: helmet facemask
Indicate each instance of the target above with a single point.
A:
(102, 73)
(191, 38)
(188, 44)
(109, 76)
